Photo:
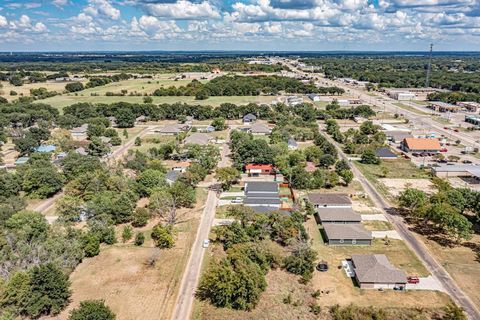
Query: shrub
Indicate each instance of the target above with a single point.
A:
(127, 233)
(92, 310)
(139, 239)
(140, 217)
(163, 236)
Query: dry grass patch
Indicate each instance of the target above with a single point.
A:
(122, 275)
(377, 225)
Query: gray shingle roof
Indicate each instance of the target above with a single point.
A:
(385, 153)
(329, 199)
(259, 128)
(375, 268)
(261, 187)
(338, 214)
(172, 175)
(261, 201)
(249, 117)
(346, 232)
(198, 138)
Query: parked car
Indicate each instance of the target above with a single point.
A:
(467, 161)
(416, 154)
(413, 280)
(446, 128)
(206, 243)
(456, 130)
(444, 150)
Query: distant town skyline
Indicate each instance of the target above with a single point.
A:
(270, 25)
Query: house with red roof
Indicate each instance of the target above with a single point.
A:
(255, 170)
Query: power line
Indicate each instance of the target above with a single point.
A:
(429, 69)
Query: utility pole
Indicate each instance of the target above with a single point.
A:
(427, 82)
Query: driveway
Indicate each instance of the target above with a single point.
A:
(374, 217)
(427, 283)
(391, 234)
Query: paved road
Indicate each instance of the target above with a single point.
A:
(416, 245)
(191, 276)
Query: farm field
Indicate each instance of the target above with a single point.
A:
(123, 276)
(25, 89)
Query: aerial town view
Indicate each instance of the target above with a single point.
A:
(250, 159)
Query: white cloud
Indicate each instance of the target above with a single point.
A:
(60, 3)
(102, 9)
(3, 22)
(183, 9)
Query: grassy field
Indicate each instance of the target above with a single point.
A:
(410, 108)
(122, 276)
(377, 225)
(462, 262)
(66, 100)
(391, 169)
(25, 89)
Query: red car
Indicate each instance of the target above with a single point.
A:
(413, 279)
(444, 150)
(456, 130)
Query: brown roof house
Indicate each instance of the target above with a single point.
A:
(330, 200)
(374, 271)
(420, 145)
(347, 234)
(338, 215)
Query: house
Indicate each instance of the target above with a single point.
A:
(347, 234)
(45, 148)
(249, 118)
(292, 144)
(314, 97)
(140, 119)
(81, 151)
(330, 200)
(79, 133)
(198, 138)
(21, 161)
(385, 154)
(172, 176)
(293, 101)
(256, 170)
(113, 121)
(259, 129)
(262, 194)
(181, 166)
(420, 145)
(374, 271)
(172, 129)
(338, 215)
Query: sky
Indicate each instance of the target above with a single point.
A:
(286, 25)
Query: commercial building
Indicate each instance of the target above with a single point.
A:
(440, 106)
(469, 105)
(374, 271)
(401, 95)
(420, 145)
(470, 171)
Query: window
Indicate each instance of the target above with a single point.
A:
(341, 241)
(354, 241)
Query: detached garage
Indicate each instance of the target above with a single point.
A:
(347, 234)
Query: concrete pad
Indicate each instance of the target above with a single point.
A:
(232, 194)
(374, 217)
(392, 234)
(427, 283)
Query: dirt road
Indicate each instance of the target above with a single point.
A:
(416, 245)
